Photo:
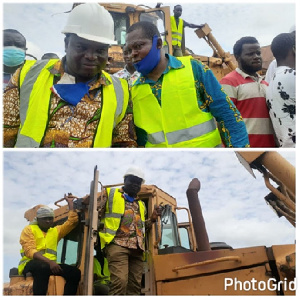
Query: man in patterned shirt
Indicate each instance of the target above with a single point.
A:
(123, 235)
(71, 102)
(177, 101)
(281, 92)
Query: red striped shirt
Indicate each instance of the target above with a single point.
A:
(249, 96)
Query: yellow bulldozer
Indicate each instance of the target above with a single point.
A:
(124, 15)
(180, 259)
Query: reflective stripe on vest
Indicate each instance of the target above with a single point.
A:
(45, 244)
(115, 208)
(120, 97)
(178, 122)
(176, 31)
(43, 252)
(35, 84)
(115, 101)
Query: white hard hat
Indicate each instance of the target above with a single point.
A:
(135, 171)
(93, 22)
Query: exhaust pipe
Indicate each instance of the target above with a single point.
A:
(197, 216)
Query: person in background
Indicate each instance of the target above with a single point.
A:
(129, 72)
(108, 64)
(273, 65)
(123, 235)
(14, 52)
(247, 90)
(177, 25)
(281, 92)
(101, 271)
(39, 250)
(50, 55)
(177, 101)
(65, 108)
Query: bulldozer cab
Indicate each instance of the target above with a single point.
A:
(124, 15)
(78, 247)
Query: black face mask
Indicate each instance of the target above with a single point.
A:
(132, 185)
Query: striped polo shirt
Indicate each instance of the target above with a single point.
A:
(248, 93)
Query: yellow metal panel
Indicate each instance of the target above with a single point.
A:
(285, 257)
(56, 286)
(243, 283)
(22, 287)
(165, 264)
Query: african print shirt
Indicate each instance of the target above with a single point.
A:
(69, 126)
(210, 97)
(131, 231)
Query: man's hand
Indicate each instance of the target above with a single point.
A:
(69, 198)
(156, 213)
(55, 268)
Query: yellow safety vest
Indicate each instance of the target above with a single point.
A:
(178, 122)
(176, 31)
(45, 244)
(35, 94)
(115, 208)
(105, 277)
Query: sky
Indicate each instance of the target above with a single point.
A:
(232, 200)
(41, 22)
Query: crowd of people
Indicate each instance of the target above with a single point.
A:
(157, 100)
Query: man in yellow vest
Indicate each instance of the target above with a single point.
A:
(39, 242)
(70, 102)
(123, 235)
(177, 25)
(177, 101)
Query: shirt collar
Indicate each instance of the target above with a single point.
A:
(245, 75)
(58, 70)
(173, 63)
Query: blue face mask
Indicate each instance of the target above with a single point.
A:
(71, 93)
(150, 61)
(13, 56)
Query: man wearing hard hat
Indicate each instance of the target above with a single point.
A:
(71, 102)
(123, 235)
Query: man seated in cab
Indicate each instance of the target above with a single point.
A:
(39, 242)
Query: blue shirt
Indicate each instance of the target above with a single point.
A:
(211, 98)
